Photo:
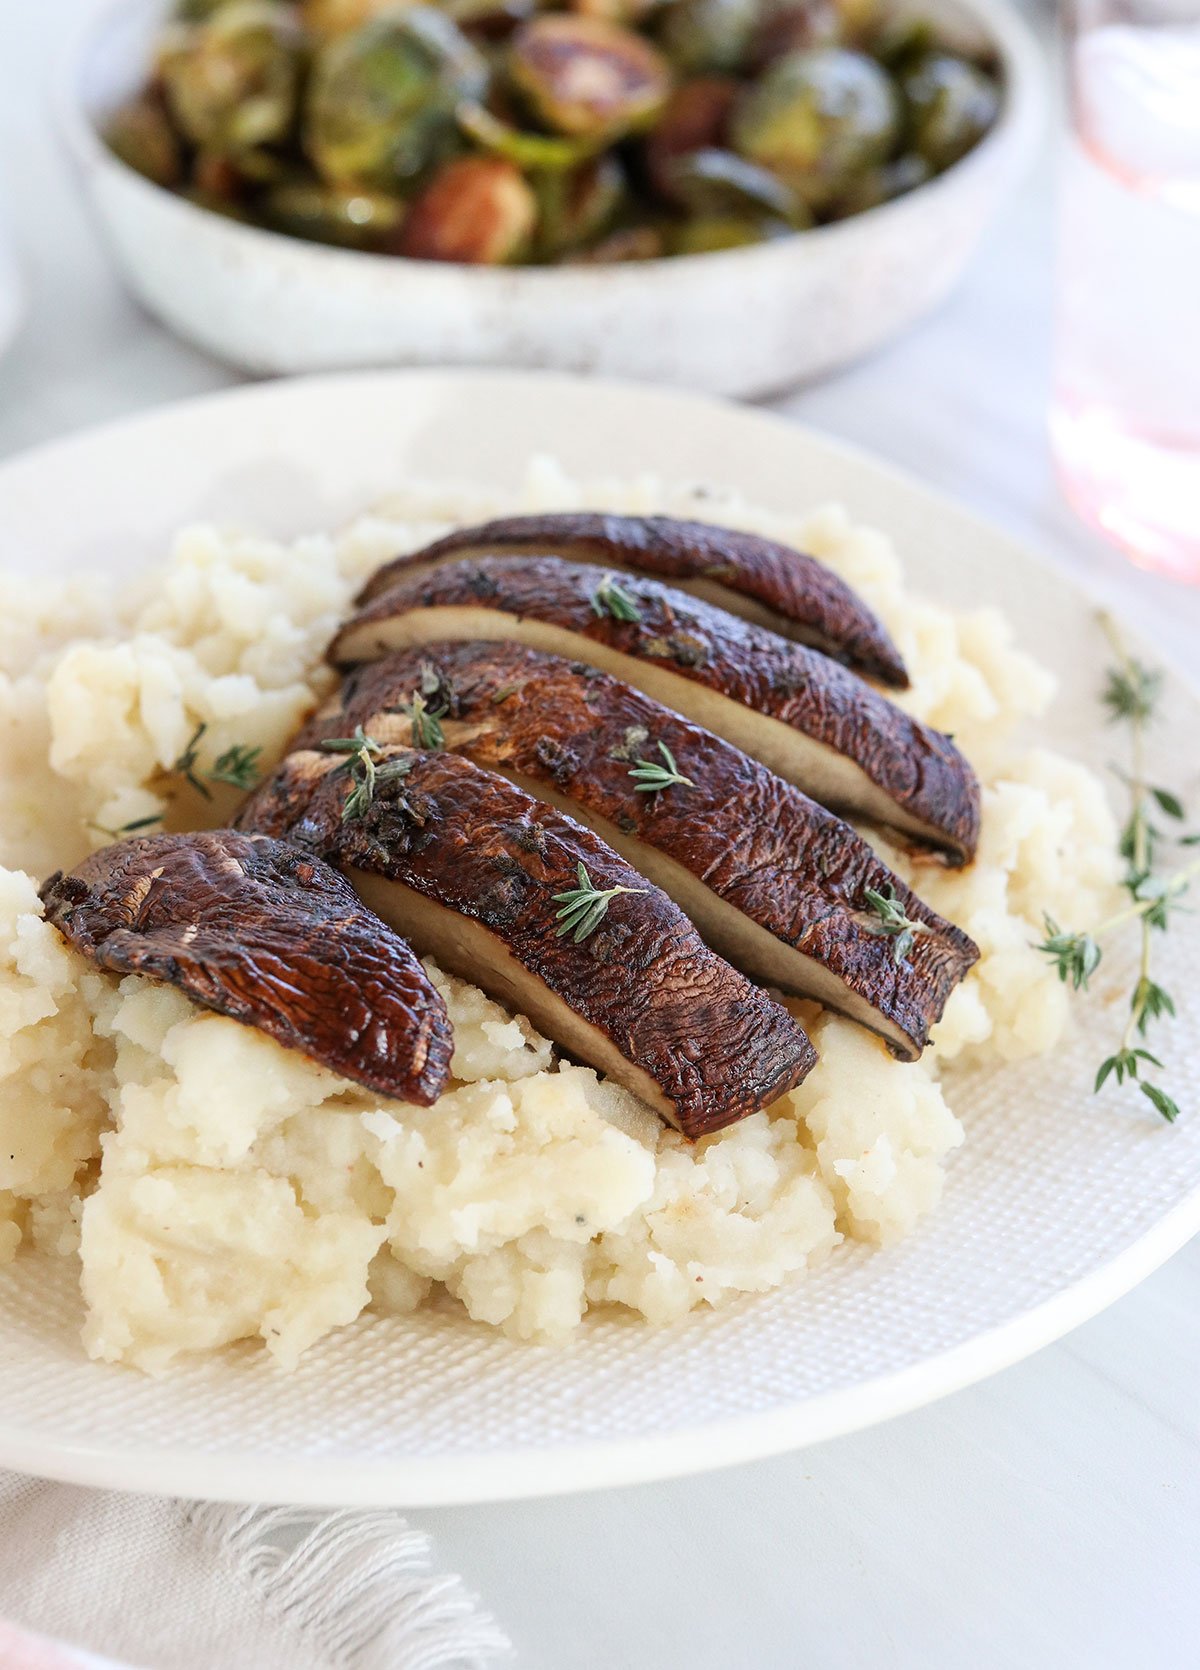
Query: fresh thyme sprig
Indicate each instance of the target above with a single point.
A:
(367, 767)
(426, 722)
(1076, 956)
(132, 828)
(355, 744)
(652, 778)
(363, 751)
(1131, 694)
(237, 766)
(363, 774)
(1130, 689)
(185, 765)
(890, 920)
(611, 598)
(585, 907)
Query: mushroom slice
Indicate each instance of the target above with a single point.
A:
(764, 582)
(774, 882)
(810, 720)
(542, 914)
(266, 934)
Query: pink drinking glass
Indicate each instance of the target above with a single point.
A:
(1125, 414)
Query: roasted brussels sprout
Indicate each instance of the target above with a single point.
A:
(580, 75)
(233, 175)
(227, 207)
(344, 215)
(859, 21)
(795, 26)
(631, 243)
(720, 183)
(140, 133)
(901, 41)
(576, 208)
(817, 119)
(381, 101)
(705, 35)
(532, 151)
(696, 117)
(231, 82)
(475, 209)
(196, 11)
(491, 20)
(705, 234)
(950, 105)
(630, 12)
(879, 185)
(215, 178)
(339, 17)
(494, 131)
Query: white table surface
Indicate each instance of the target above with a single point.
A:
(1049, 1517)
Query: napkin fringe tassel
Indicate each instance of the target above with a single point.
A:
(358, 1587)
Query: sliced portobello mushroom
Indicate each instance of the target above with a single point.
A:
(268, 935)
(764, 582)
(775, 883)
(810, 720)
(482, 876)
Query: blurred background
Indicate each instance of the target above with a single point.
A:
(883, 270)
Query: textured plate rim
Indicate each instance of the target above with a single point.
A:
(485, 1476)
(533, 1471)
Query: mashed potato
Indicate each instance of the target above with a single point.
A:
(215, 1187)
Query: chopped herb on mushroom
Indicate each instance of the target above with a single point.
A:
(426, 722)
(611, 598)
(890, 919)
(363, 751)
(585, 907)
(652, 778)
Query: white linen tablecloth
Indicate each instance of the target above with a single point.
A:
(164, 1585)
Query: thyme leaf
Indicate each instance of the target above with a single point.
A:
(611, 598)
(652, 778)
(1168, 803)
(131, 828)
(426, 722)
(186, 765)
(1076, 956)
(1158, 1098)
(351, 744)
(362, 751)
(237, 766)
(362, 773)
(1131, 690)
(890, 920)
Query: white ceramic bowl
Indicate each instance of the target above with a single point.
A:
(738, 322)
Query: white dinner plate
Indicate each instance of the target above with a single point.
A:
(1057, 1204)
